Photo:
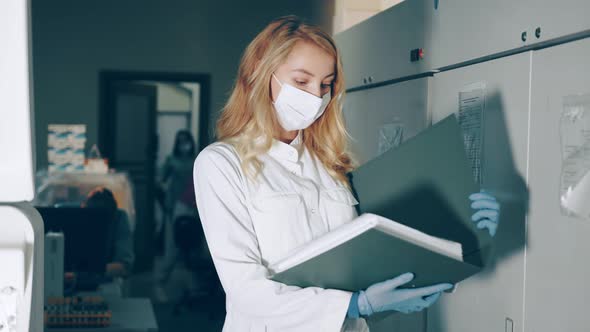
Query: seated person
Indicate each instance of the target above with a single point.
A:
(121, 251)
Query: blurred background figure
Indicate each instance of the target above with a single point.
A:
(174, 184)
(177, 170)
(121, 247)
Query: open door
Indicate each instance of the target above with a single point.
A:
(129, 141)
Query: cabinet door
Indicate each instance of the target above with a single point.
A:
(378, 49)
(557, 269)
(372, 114)
(494, 297)
(556, 18)
(468, 29)
(382, 117)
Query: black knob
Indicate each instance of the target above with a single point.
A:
(523, 36)
(538, 32)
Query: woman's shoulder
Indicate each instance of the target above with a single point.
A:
(218, 150)
(220, 154)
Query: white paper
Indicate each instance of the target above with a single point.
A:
(471, 119)
(575, 155)
(577, 200)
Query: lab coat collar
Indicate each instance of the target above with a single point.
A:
(290, 152)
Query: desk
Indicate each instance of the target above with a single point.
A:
(129, 315)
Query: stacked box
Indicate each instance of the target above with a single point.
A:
(65, 147)
(78, 144)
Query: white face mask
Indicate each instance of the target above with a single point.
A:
(297, 109)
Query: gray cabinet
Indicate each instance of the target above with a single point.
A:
(537, 279)
(378, 49)
(485, 301)
(557, 269)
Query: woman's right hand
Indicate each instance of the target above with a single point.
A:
(385, 296)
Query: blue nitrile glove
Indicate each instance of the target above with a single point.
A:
(487, 214)
(384, 296)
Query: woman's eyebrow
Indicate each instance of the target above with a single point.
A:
(301, 70)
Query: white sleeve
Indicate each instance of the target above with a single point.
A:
(221, 201)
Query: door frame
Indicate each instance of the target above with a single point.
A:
(107, 80)
(107, 77)
(141, 172)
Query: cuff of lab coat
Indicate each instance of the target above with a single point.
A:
(336, 311)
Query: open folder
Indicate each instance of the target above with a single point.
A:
(416, 218)
(372, 249)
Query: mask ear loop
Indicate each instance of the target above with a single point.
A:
(281, 84)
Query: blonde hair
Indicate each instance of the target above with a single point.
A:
(248, 120)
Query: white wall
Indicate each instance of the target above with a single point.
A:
(172, 98)
(389, 3)
(180, 97)
(351, 12)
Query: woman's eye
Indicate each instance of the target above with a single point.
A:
(300, 82)
(326, 86)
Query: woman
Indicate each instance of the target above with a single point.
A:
(277, 179)
(177, 169)
(176, 174)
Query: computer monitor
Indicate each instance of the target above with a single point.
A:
(87, 234)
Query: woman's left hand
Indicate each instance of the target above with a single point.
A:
(487, 211)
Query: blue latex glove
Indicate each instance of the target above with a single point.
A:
(384, 296)
(487, 214)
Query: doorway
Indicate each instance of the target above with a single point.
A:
(140, 113)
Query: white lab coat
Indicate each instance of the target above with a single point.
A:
(250, 224)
